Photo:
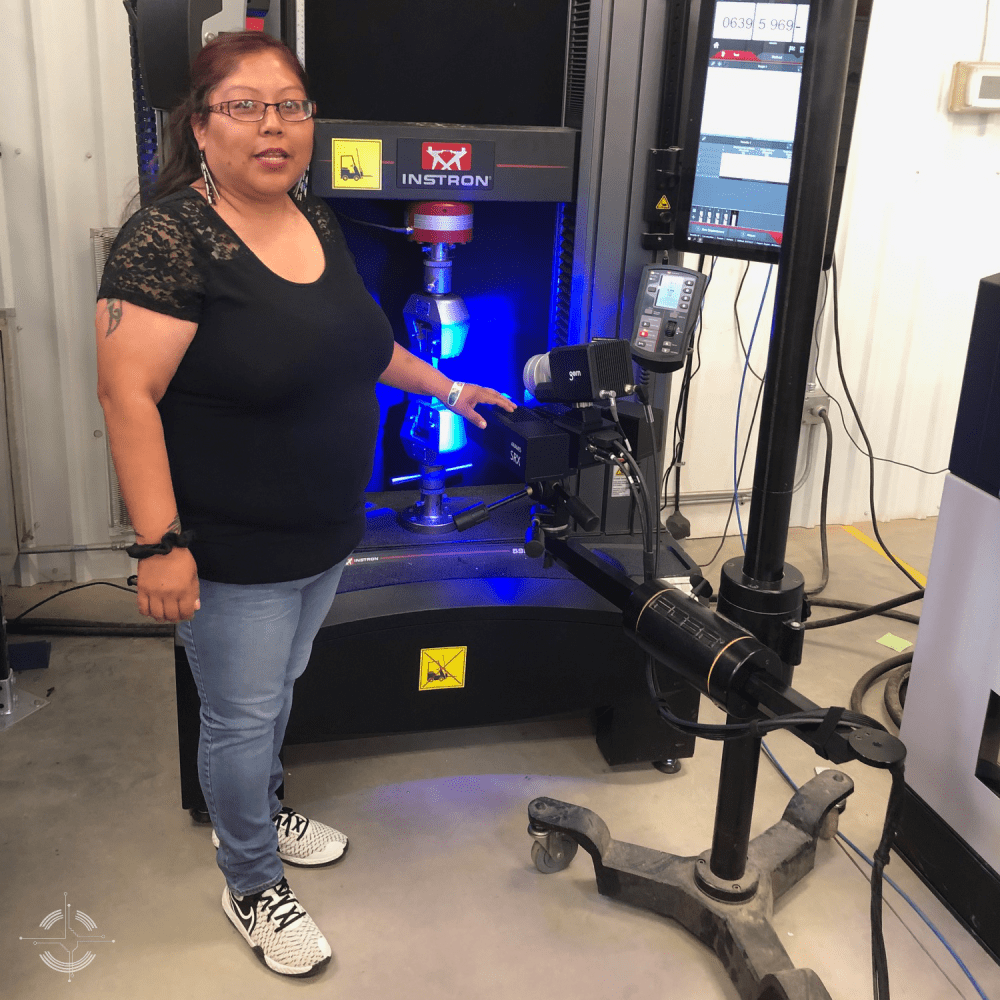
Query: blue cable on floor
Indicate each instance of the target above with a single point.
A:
(857, 850)
(739, 404)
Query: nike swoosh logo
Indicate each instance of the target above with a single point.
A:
(246, 917)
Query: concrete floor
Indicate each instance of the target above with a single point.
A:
(438, 897)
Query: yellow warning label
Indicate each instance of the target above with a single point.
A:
(663, 205)
(357, 164)
(442, 668)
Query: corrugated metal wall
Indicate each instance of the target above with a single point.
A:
(921, 214)
(68, 164)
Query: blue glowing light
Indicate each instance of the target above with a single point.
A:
(416, 475)
(452, 431)
(430, 427)
(453, 337)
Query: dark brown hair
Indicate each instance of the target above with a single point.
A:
(210, 67)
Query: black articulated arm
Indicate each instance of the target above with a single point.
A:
(728, 664)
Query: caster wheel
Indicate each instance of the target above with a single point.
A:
(668, 766)
(200, 817)
(546, 863)
(829, 825)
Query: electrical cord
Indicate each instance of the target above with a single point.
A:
(824, 497)
(405, 230)
(861, 854)
(829, 602)
(680, 413)
(739, 404)
(897, 667)
(840, 409)
(894, 695)
(624, 461)
(873, 609)
(653, 518)
(736, 317)
(647, 410)
(848, 721)
(69, 590)
(94, 630)
(861, 428)
(735, 500)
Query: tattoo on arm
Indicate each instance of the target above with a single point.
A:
(114, 315)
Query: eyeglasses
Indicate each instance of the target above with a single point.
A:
(254, 111)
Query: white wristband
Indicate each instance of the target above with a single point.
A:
(455, 392)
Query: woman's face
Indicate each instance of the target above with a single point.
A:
(257, 160)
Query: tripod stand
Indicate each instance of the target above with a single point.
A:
(726, 895)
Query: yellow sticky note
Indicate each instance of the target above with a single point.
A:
(894, 642)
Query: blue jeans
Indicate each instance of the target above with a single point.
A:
(247, 645)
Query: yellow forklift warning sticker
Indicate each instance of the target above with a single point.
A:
(442, 668)
(357, 164)
(663, 205)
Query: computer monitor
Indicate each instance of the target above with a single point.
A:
(741, 128)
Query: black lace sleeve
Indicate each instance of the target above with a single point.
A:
(317, 210)
(154, 264)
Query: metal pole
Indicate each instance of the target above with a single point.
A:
(807, 212)
(734, 808)
(766, 592)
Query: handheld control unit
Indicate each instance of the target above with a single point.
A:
(666, 314)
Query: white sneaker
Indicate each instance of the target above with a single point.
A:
(305, 843)
(281, 933)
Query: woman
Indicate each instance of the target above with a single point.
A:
(238, 353)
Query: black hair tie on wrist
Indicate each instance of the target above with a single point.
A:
(170, 541)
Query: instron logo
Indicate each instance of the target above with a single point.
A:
(444, 156)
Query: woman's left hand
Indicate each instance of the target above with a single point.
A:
(472, 395)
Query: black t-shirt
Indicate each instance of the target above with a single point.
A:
(271, 418)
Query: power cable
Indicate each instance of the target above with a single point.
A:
(691, 368)
(843, 419)
(824, 497)
(829, 602)
(898, 670)
(873, 609)
(864, 433)
(739, 404)
(69, 590)
(736, 317)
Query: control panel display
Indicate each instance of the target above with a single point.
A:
(669, 294)
(745, 132)
(666, 314)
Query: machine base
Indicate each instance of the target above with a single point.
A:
(532, 641)
(739, 932)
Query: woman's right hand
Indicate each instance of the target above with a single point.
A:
(168, 586)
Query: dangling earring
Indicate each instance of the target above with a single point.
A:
(210, 189)
(302, 188)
